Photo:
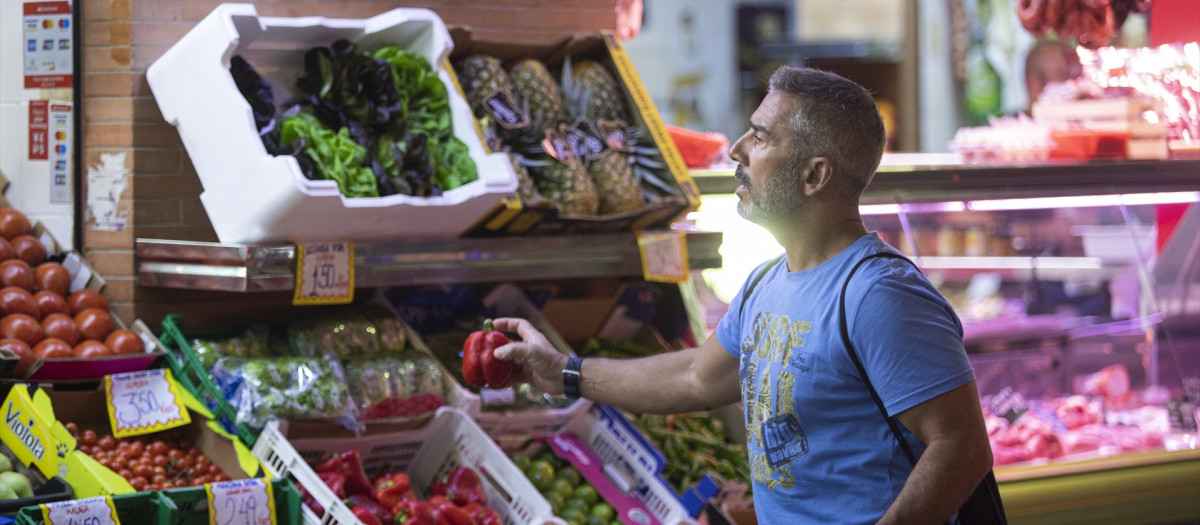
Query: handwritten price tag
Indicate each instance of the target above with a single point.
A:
(324, 273)
(664, 256)
(91, 511)
(241, 502)
(143, 402)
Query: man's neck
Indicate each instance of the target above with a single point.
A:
(819, 235)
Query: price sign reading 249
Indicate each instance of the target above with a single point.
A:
(241, 502)
(324, 273)
(143, 402)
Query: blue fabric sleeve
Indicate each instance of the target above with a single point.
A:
(729, 328)
(909, 340)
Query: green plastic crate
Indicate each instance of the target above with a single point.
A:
(189, 372)
(182, 506)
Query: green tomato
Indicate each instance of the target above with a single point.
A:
(570, 474)
(555, 501)
(595, 520)
(541, 474)
(588, 494)
(573, 516)
(520, 460)
(603, 511)
(563, 488)
(575, 503)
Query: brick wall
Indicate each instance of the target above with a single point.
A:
(122, 38)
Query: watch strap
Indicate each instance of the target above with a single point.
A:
(572, 377)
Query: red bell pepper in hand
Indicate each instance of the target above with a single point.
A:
(480, 366)
(413, 512)
(364, 501)
(392, 489)
(447, 513)
(335, 482)
(349, 466)
(366, 516)
(464, 486)
(483, 515)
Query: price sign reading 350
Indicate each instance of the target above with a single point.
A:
(90, 511)
(143, 402)
(241, 502)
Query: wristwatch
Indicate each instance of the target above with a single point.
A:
(572, 378)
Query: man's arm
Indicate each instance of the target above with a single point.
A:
(670, 383)
(957, 456)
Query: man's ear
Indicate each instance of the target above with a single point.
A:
(817, 175)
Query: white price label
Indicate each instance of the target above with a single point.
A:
(241, 502)
(324, 273)
(91, 511)
(143, 402)
(664, 256)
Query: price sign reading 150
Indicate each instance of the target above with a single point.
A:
(90, 511)
(324, 273)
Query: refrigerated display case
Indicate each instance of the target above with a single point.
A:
(1078, 285)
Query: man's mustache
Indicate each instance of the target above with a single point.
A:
(740, 175)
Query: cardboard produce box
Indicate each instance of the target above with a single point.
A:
(513, 217)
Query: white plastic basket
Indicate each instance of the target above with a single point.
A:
(631, 462)
(450, 440)
(252, 196)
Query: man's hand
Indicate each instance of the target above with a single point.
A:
(537, 361)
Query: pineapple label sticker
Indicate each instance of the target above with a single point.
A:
(324, 273)
(664, 256)
(241, 502)
(143, 402)
(90, 511)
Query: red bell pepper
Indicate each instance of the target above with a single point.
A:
(480, 366)
(335, 482)
(464, 486)
(447, 513)
(311, 502)
(438, 487)
(364, 501)
(349, 466)
(483, 515)
(392, 489)
(366, 516)
(413, 512)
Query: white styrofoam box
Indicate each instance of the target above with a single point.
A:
(448, 441)
(252, 196)
(1116, 243)
(631, 462)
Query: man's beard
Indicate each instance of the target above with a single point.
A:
(770, 202)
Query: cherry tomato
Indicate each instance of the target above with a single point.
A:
(125, 473)
(23, 352)
(84, 299)
(61, 326)
(161, 461)
(72, 428)
(50, 303)
(94, 323)
(13, 223)
(88, 437)
(91, 349)
(28, 249)
(107, 443)
(124, 342)
(138, 483)
(16, 272)
(53, 277)
(23, 327)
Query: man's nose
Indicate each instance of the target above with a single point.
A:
(735, 151)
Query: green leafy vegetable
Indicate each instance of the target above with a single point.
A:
(336, 155)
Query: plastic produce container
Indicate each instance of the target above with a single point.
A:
(449, 441)
(252, 196)
(182, 506)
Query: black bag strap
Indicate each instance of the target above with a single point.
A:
(758, 277)
(862, 372)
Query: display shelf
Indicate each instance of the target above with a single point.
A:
(913, 178)
(263, 268)
(1022, 268)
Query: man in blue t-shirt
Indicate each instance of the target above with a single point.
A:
(820, 451)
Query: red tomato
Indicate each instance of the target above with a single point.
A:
(24, 354)
(53, 277)
(6, 250)
(51, 303)
(61, 326)
(13, 223)
(16, 272)
(125, 342)
(28, 249)
(94, 323)
(14, 300)
(91, 349)
(53, 349)
(84, 299)
(23, 327)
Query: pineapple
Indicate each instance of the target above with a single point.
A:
(592, 94)
(526, 188)
(569, 186)
(481, 76)
(536, 87)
